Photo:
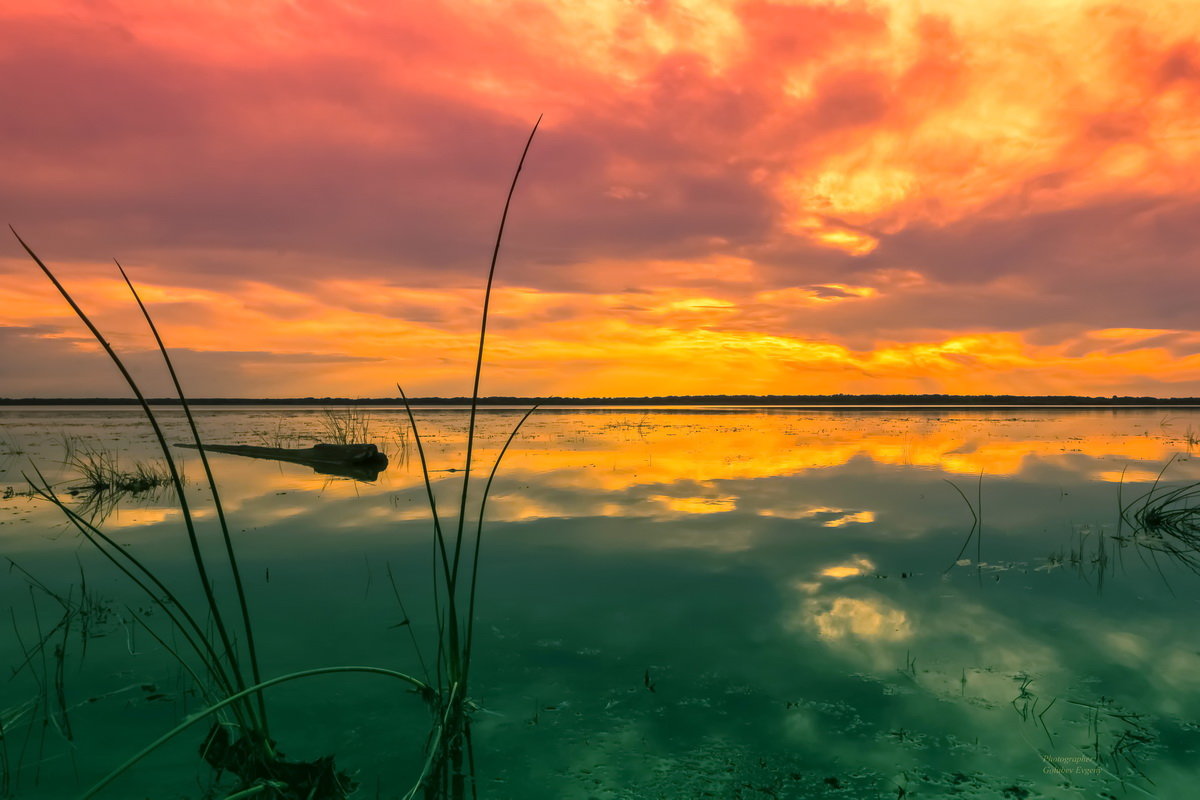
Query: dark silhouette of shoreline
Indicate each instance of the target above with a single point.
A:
(648, 402)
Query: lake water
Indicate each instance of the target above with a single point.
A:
(674, 603)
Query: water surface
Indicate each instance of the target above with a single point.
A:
(675, 603)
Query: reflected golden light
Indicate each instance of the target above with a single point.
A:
(665, 451)
(845, 519)
(832, 517)
(695, 505)
(1127, 476)
(140, 517)
(856, 566)
(856, 618)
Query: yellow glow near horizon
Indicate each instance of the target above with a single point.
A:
(725, 196)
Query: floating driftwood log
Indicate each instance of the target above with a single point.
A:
(362, 462)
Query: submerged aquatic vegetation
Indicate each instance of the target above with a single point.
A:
(78, 616)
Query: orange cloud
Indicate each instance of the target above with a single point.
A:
(774, 196)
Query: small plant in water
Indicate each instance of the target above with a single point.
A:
(100, 482)
(348, 425)
(1167, 521)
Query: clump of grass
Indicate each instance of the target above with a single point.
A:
(99, 471)
(278, 438)
(215, 654)
(1174, 513)
(1167, 520)
(44, 659)
(348, 425)
(351, 425)
(239, 740)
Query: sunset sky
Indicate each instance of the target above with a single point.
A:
(887, 196)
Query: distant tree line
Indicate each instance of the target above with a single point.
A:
(662, 400)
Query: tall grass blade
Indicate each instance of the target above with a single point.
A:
(160, 594)
(438, 534)
(176, 480)
(216, 495)
(487, 300)
(487, 488)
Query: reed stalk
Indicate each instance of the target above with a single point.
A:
(217, 655)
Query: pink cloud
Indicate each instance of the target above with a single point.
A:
(293, 171)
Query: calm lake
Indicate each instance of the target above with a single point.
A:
(674, 603)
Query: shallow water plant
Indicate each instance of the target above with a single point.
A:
(100, 482)
(101, 471)
(240, 740)
(348, 425)
(231, 675)
(228, 673)
(447, 769)
(1166, 520)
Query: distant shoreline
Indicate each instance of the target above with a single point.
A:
(875, 400)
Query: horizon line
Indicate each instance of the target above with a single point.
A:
(646, 400)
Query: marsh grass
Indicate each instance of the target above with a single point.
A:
(278, 437)
(99, 482)
(351, 425)
(1166, 520)
(340, 426)
(449, 765)
(343, 426)
(9, 446)
(100, 471)
(1117, 741)
(216, 654)
(45, 652)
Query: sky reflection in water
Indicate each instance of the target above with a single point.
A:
(786, 580)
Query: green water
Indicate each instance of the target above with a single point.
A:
(678, 603)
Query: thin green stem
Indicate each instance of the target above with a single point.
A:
(212, 483)
(251, 792)
(136, 617)
(167, 600)
(434, 744)
(487, 488)
(487, 300)
(439, 538)
(176, 480)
